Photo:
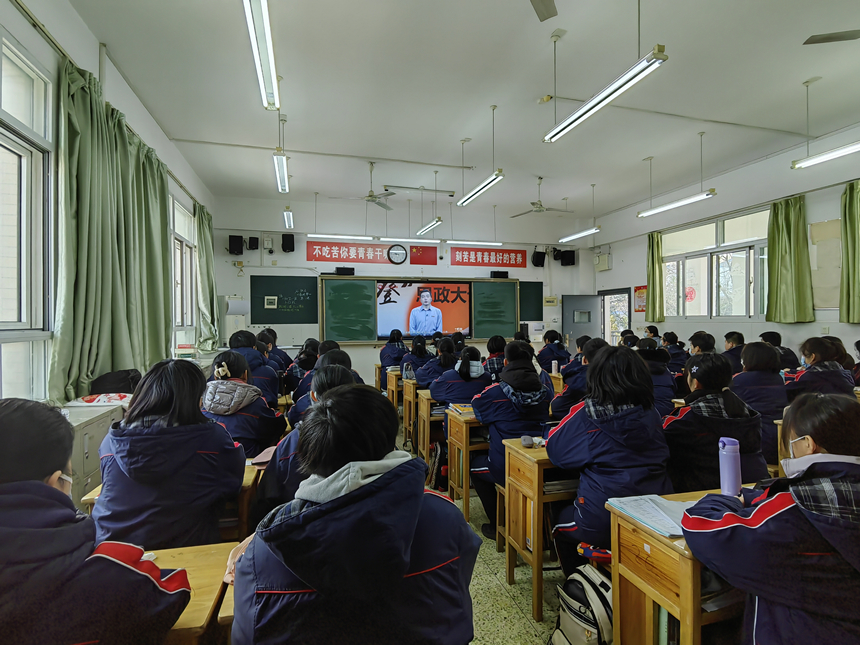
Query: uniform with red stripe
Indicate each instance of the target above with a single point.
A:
(304, 386)
(391, 354)
(281, 478)
(825, 377)
(452, 388)
(240, 408)
(552, 352)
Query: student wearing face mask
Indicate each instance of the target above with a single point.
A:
(820, 371)
(459, 384)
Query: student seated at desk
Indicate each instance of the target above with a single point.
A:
(166, 468)
(787, 358)
(822, 371)
(56, 585)
(575, 385)
(459, 341)
(275, 361)
(393, 351)
(734, 346)
(516, 406)
(334, 357)
(304, 363)
(794, 547)
(239, 407)
(677, 356)
(614, 441)
(543, 375)
(843, 358)
(280, 354)
(552, 350)
(462, 382)
(342, 359)
(435, 367)
(417, 356)
(712, 411)
(496, 360)
(657, 360)
(434, 341)
(363, 554)
(271, 362)
(262, 376)
(577, 358)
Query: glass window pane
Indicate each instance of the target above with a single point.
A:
(188, 285)
(177, 283)
(746, 229)
(730, 280)
(670, 289)
(696, 286)
(11, 236)
(690, 240)
(22, 370)
(616, 316)
(23, 91)
(183, 222)
(762, 281)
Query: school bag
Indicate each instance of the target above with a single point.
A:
(123, 381)
(585, 612)
(408, 372)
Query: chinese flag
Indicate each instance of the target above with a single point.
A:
(422, 255)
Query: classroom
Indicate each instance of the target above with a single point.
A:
(472, 321)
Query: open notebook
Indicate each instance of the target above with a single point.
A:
(654, 512)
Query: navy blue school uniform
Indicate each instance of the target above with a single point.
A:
(297, 411)
(573, 392)
(787, 358)
(552, 352)
(162, 487)
(577, 358)
(300, 580)
(239, 407)
(429, 372)
(391, 354)
(618, 452)
(417, 361)
(572, 366)
(494, 364)
(304, 386)
(57, 586)
(262, 375)
(546, 379)
(275, 362)
(677, 358)
(765, 393)
(451, 388)
(293, 376)
(826, 377)
(281, 479)
(662, 379)
(734, 357)
(281, 355)
(795, 550)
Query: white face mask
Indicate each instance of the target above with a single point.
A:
(791, 445)
(66, 478)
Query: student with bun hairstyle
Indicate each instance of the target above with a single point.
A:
(417, 356)
(662, 379)
(552, 350)
(238, 406)
(393, 351)
(842, 357)
(787, 358)
(262, 375)
(677, 356)
(822, 372)
(496, 360)
(285, 359)
(575, 381)
(459, 341)
(794, 548)
(693, 432)
(462, 382)
(435, 367)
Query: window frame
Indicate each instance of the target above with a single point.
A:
(188, 276)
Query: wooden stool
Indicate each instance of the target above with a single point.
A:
(501, 535)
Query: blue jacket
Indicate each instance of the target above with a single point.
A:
(162, 487)
(822, 378)
(664, 387)
(391, 354)
(765, 393)
(56, 586)
(281, 478)
(573, 392)
(293, 376)
(305, 384)
(574, 364)
(297, 411)
(795, 550)
(281, 355)
(451, 388)
(787, 358)
(275, 362)
(238, 407)
(552, 352)
(678, 358)
(389, 562)
(734, 357)
(262, 376)
(617, 454)
(417, 362)
(429, 372)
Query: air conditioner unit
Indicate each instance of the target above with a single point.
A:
(602, 262)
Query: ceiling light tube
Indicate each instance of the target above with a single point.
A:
(282, 176)
(485, 185)
(474, 243)
(288, 218)
(436, 222)
(711, 192)
(851, 148)
(604, 97)
(409, 240)
(362, 238)
(257, 17)
(576, 236)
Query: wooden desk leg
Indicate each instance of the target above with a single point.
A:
(510, 550)
(691, 602)
(617, 609)
(649, 636)
(537, 555)
(463, 476)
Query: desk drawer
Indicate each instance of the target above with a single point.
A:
(456, 430)
(521, 472)
(654, 563)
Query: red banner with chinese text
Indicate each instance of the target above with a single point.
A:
(469, 257)
(349, 252)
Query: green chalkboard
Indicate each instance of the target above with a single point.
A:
(495, 307)
(531, 300)
(350, 310)
(297, 302)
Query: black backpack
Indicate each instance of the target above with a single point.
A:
(121, 382)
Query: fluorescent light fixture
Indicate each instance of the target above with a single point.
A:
(604, 97)
(851, 148)
(288, 218)
(363, 238)
(409, 240)
(576, 236)
(485, 185)
(257, 17)
(282, 176)
(436, 222)
(711, 192)
(474, 243)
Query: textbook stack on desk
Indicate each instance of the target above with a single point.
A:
(658, 514)
(463, 409)
(561, 486)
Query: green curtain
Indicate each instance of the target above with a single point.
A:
(207, 299)
(654, 295)
(113, 286)
(789, 283)
(849, 286)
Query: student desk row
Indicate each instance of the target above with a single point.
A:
(410, 409)
(461, 445)
(394, 385)
(557, 383)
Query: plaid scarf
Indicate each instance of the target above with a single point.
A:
(710, 405)
(825, 366)
(495, 364)
(148, 421)
(838, 499)
(597, 411)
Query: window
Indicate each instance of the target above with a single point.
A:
(615, 309)
(23, 91)
(24, 369)
(730, 283)
(671, 288)
(184, 275)
(689, 240)
(696, 286)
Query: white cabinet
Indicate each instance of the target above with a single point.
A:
(91, 424)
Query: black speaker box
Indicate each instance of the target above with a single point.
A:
(568, 258)
(288, 244)
(344, 270)
(538, 258)
(498, 274)
(235, 245)
(253, 243)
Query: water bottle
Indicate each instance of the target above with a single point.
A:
(555, 367)
(730, 466)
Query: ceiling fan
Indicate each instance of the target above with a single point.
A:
(833, 37)
(371, 197)
(545, 9)
(538, 207)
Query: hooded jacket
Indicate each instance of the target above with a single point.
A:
(391, 354)
(677, 358)
(304, 386)
(297, 411)
(281, 479)
(451, 388)
(262, 376)
(693, 439)
(553, 352)
(827, 377)
(573, 392)
(293, 376)
(417, 361)
(765, 393)
(281, 355)
(787, 358)
(429, 372)
(734, 357)
(52, 572)
(162, 487)
(518, 405)
(661, 377)
(239, 407)
(795, 550)
(372, 558)
(617, 453)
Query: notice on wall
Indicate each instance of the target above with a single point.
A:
(469, 257)
(639, 295)
(348, 253)
(825, 258)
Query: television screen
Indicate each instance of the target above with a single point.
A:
(423, 308)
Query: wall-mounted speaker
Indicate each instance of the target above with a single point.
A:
(344, 270)
(253, 243)
(568, 258)
(288, 244)
(498, 274)
(538, 258)
(235, 245)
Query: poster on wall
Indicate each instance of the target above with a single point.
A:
(469, 257)
(639, 294)
(423, 308)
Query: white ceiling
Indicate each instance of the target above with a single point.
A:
(407, 79)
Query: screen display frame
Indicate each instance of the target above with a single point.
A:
(381, 285)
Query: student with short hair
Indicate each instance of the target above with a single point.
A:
(238, 406)
(363, 553)
(434, 341)
(304, 363)
(577, 358)
(275, 361)
(657, 360)
(329, 355)
(393, 351)
(821, 371)
(761, 387)
(712, 411)
(417, 356)
(462, 382)
(575, 381)
(262, 376)
(285, 359)
(651, 332)
(627, 332)
(630, 340)
(787, 358)
(842, 357)
(435, 367)
(677, 356)
(166, 468)
(734, 347)
(702, 343)
(496, 360)
(794, 548)
(552, 350)
(520, 335)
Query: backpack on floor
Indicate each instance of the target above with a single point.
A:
(585, 612)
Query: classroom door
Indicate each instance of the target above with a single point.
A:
(615, 313)
(580, 316)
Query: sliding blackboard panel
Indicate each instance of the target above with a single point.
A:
(531, 300)
(495, 306)
(350, 310)
(297, 300)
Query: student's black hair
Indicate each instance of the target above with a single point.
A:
(857, 348)
(670, 337)
(242, 338)
(830, 419)
(842, 356)
(327, 346)
(348, 423)
(627, 332)
(519, 335)
(445, 352)
(396, 336)
(823, 349)
(459, 341)
(306, 359)
(419, 346)
(436, 336)
(735, 338)
(37, 441)
(712, 371)
(518, 351)
(617, 376)
(496, 344)
(170, 390)
(467, 357)
(589, 351)
(681, 344)
(272, 333)
(646, 343)
(262, 347)
(630, 340)
(235, 363)
(705, 342)
(335, 357)
(653, 330)
(330, 377)
(760, 357)
(553, 337)
(265, 338)
(580, 342)
(311, 344)
(771, 337)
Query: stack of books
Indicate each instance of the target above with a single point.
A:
(186, 350)
(463, 409)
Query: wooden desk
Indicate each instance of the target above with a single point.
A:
(525, 470)
(205, 566)
(378, 376)
(781, 452)
(857, 393)
(284, 401)
(557, 383)
(225, 614)
(246, 496)
(460, 449)
(410, 409)
(394, 386)
(425, 418)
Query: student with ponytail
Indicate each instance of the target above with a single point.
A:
(462, 382)
(821, 372)
(459, 341)
(575, 380)
(552, 350)
(393, 351)
(435, 367)
(417, 356)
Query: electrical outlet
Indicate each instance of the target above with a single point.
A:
(238, 264)
(825, 330)
(555, 320)
(274, 263)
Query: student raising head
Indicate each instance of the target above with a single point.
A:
(575, 382)
(712, 411)
(614, 441)
(435, 367)
(239, 407)
(393, 351)
(822, 373)
(678, 357)
(339, 357)
(52, 569)
(166, 468)
(496, 360)
(262, 375)
(787, 358)
(363, 496)
(794, 547)
(662, 379)
(417, 356)
(462, 382)
(552, 350)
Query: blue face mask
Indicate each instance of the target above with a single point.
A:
(803, 362)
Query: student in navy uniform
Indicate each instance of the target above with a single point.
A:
(552, 350)
(56, 585)
(575, 385)
(496, 360)
(271, 362)
(734, 347)
(543, 375)
(338, 357)
(166, 468)
(238, 406)
(434, 341)
(843, 358)
(787, 358)
(417, 356)
(393, 351)
(459, 341)
(577, 358)
(285, 359)
(693, 432)
(262, 376)
(435, 367)
(304, 363)
(275, 361)
(856, 371)
(462, 382)
(702, 343)
(821, 373)
(518, 405)
(651, 332)
(678, 357)
(662, 379)
(364, 553)
(761, 387)
(794, 547)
